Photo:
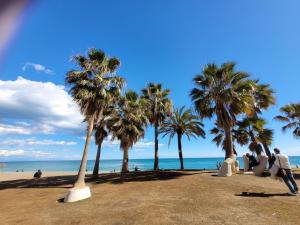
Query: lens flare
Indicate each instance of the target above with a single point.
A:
(11, 12)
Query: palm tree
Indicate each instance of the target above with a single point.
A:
(182, 122)
(158, 108)
(263, 97)
(238, 136)
(101, 130)
(128, 124)
(226, 93)
(291, 115)
(265, 136)
(91, 85)
(100, 135)
(254, 128)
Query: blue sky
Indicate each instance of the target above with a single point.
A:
(157, 41)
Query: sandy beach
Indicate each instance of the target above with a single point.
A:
(5, 176)
(166, 197)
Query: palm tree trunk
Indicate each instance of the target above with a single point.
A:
(180, 151)
(254, 141)
(156, 146)
(228, 138)
(81, 174)
(97, 161)
(125, 161)
(267, 150)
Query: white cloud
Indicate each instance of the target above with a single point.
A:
(38, 107)
(37, 67)
(11, 152)
(31, 153)
(34, 142)
(13, 129)
(142, 144)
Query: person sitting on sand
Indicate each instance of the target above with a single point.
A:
(136, 168)
(37, 174)
(252, 161)
(282, 161)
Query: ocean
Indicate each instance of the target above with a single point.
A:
(115, 165)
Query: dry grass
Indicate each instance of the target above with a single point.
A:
(167, 197)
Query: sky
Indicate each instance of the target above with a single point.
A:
(166, 42)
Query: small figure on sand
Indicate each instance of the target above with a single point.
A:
(136, 168)
(38, 174)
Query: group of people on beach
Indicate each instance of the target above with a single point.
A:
(279, 167)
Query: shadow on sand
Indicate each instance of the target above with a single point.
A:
(296, 176)
(114, 178)
(261, 195)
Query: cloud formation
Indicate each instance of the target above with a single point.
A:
(31, 153)
(37, 67)
(142, 144)
(13, 129)
(28, 107)
(34, 142)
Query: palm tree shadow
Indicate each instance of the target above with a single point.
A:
(44, 182)
(140, 176)
(261, 194)
(113, 178)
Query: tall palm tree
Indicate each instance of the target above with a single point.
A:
(128, 124)
(182, 122)
(159, 106)
(100, 134)
(226, 93)
(291, 115)
(91, 85)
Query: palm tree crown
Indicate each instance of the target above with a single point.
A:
(291, 115)
(254, 127)
(238, 137)
(95, 83)
(182, 122)
(223, 92)
(263, 96)
(159, 104)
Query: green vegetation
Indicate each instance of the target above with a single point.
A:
(182, 122)
(291, 115)
(127, 123)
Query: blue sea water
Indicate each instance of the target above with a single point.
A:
(115, 165)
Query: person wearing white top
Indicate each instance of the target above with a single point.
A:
(282, 161)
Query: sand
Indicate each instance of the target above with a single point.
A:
(4, 176)
(167, 197)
